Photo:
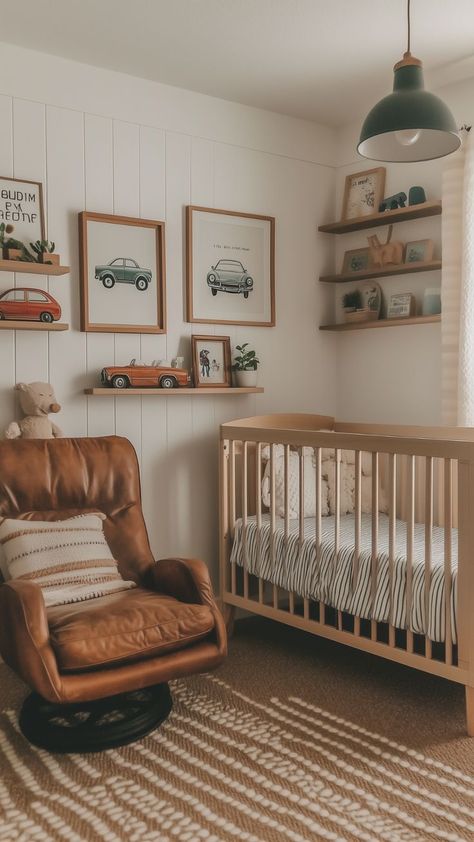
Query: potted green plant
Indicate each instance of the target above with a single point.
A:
(245, 366)
(44, 251)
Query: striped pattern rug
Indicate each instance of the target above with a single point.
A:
(232, 764)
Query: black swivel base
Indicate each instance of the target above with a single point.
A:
(97, 725)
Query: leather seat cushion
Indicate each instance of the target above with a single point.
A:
(124, 627)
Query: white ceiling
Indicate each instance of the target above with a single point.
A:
(323, 60)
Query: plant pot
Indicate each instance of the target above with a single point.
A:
(364, 315)
(12, 254)
(50, 259)
(246, 378)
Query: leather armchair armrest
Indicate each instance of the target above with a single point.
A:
(24, 637)
(188, 580)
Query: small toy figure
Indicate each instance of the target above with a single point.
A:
(393, 202)
(37, 400)
(204, 362)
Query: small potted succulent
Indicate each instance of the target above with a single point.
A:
(245, 366)
(44, 252)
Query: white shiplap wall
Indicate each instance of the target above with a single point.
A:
(89, 154)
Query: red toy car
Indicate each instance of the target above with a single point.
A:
(28, 304)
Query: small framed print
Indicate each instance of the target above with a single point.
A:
(402, 305)
(230, 267)
(122, 272)
(211, 361)
(363, 193)
(21, 205)
(419, 251)
(356, 260)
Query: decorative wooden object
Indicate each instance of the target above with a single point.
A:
(32, 268)
(377, 219)
(385, 254)
(11, 324)
(211, 390)
(413, 320)
(365, 274)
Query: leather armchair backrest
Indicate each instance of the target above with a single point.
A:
(52, 479)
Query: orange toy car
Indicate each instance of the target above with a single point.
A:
(29, 304)
(139, 374)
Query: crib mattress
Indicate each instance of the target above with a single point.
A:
(295, 568)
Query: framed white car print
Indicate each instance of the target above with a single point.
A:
(230, 267)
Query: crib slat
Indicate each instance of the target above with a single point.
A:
(337, 518)
(301, 499)
(357, 527)
(409, 553)
(286, 507)
(392, 526)
(318, 501)
(375, 539)
(258, 511)
(428, 544)
(273, 520)
(244, 517)
(232, 509)
(448, 520)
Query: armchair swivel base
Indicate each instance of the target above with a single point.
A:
(97, 725)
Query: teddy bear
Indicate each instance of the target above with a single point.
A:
(36, 401)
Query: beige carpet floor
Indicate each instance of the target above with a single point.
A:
(294, 738)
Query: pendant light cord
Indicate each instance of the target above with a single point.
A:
(408, 26)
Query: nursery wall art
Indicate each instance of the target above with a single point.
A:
(21, 205)
(211, 361)
(122, 274)
(230, 267)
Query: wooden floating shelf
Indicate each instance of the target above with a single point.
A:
(32, 268)
(386, 218)
(413, 320)
(11, 324)
(402, 269)
(211, 390)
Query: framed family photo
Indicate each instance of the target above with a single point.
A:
(21, 205)
(211, 360)
(122, 271)
(230, 267)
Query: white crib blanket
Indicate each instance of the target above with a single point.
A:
(295, 568)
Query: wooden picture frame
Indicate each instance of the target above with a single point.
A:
(131, 281)
(244, 242)
(18, 207)
(217, 372)
(419, 251)
(356, 260)
(401, 305)
(363, 192)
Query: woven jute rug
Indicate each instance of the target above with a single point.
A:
(294, 738)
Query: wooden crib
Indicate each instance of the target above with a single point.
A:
(426, 476)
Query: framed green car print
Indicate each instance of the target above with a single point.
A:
(122, 274)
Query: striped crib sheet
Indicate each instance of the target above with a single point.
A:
(295, 568)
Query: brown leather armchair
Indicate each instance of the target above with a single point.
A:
(99, 669)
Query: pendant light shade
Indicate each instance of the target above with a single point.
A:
(409, 124)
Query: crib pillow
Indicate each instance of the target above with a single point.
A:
(328, 484)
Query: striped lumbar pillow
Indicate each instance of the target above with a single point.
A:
(69, 559)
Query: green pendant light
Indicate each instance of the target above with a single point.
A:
(409, 124)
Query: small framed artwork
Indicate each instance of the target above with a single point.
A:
(402, 305)
(230, 267)
(363, 193)
(419, 251)
(356, 260)
(122, 270)
(21, 205)
(211, 361)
